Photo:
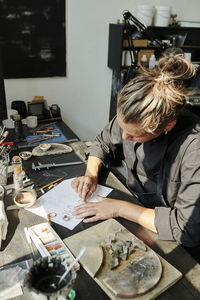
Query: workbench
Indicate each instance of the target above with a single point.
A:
(15, 248)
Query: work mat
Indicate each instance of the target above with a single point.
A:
(142, 275)
(45, 176)
(57, 139)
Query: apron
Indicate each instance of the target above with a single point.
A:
(153, 199)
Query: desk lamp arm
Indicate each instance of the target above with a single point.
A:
(128, 17)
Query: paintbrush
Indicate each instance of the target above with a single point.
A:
(71, 266)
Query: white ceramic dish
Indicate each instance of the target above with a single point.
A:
(25, 199)
(44, 147)
(25, 155)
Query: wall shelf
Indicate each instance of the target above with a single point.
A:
(186, 38)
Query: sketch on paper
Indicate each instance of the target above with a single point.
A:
(59, 203)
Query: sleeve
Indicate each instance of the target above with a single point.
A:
(182, 221)
(107, 145)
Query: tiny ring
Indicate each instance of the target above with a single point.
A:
(66, 218)
(52, 214)
(90, 192)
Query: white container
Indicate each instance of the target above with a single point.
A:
(152, 61)
(162, 15)
(188, 56)
(128, 59)
(9, 123)
(32, 121)
(145, 14)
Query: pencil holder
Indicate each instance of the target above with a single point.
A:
(42, 280)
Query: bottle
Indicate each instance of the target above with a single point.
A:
(143, 61)
(18, 173)
(152, 61)
(18, 127)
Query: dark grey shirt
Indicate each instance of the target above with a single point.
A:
(163, 173)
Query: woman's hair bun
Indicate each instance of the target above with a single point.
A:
(174, 68)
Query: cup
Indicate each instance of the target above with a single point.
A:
(3, 169)
(32, 121)
(43, 277)
(25, 199)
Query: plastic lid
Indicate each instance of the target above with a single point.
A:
(16, 159)
(144, 57)
(163, 7)
(72, 295)
(145, 6)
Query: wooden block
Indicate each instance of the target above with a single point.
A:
(38, 98)
(136, 43)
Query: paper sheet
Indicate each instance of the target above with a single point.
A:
(61, 201)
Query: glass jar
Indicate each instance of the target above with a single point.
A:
(18, 173)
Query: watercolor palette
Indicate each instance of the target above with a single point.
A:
(49, 243)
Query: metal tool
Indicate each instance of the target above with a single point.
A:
(31, 145)
(54, 165)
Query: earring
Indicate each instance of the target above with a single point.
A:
(166, 132)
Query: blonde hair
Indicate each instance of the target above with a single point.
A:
(155, 97)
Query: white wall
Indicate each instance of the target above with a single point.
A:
(84, 95)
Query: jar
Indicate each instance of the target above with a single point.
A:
(144, 62)
(18, 173)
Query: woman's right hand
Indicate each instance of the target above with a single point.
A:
(85, 186)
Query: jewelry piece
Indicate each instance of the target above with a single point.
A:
(52, 215)
(66, 218)
(86, 184)
(90, 192)
(166, 132)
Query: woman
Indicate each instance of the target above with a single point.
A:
(158, 141)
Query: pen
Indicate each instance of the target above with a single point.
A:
(8, 143)
(43, 187)
(2, 130)
(3, 137)
(71, 140)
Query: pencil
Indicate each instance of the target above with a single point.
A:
(48, 218)
(43, 187)
(29, 240)
(39, 140)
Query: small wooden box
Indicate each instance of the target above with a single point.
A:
(136, 43)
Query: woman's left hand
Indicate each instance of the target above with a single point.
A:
(105, 209)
